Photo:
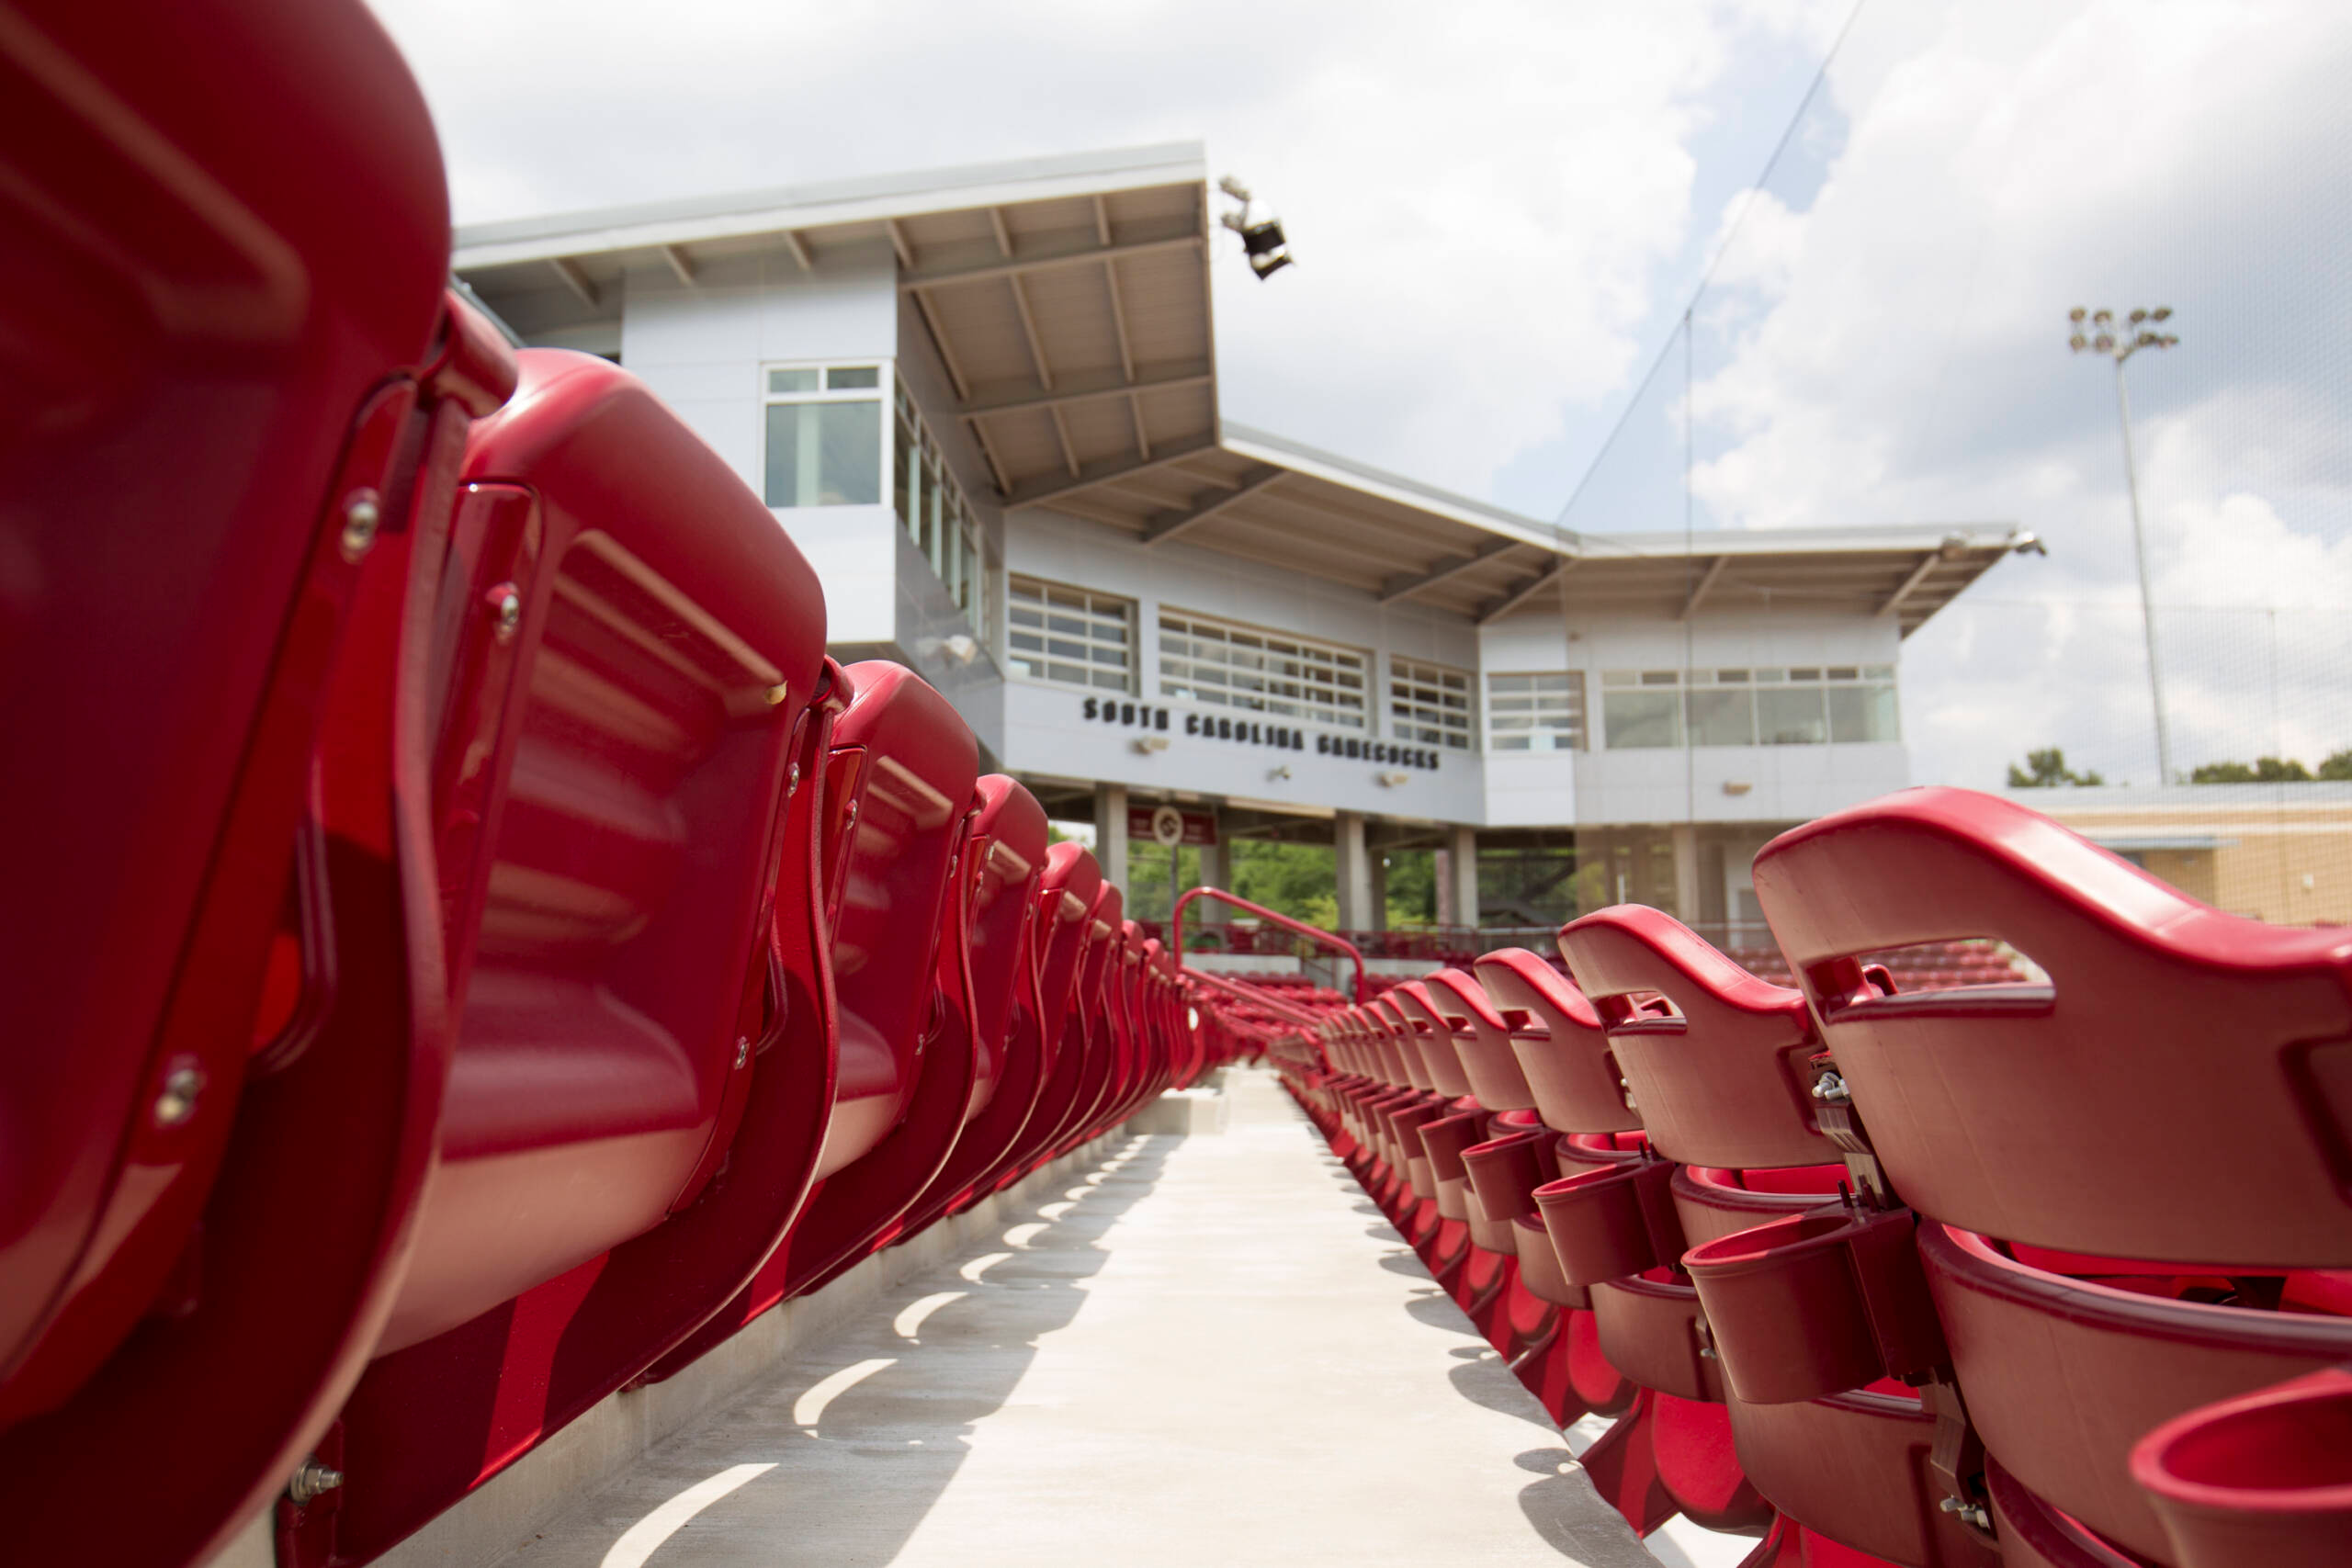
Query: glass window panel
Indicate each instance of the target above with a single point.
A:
(824, 454)
(1661, 677)
(1088, 636)
(1722, 717)
(1863, 713)
(1791, 717)
(853, 378)
(1639, 720)
(1424, 704)
(1276, 675)
(1536, 710)
(1845, 672)
(791, 381)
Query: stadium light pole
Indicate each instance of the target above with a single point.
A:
(2097, 332)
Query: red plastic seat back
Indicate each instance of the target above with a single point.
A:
(1481, 1040)
(1423, 1032)
(904, 766)
(1064, 900)
(226, 241)
(1725, 1082)
(1007, 861)
(1562, 1051)
(2181, 1090)
(1400, 1063)
(626, 642)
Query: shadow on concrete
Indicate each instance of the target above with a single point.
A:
(866, 1430)
(1560, 1506)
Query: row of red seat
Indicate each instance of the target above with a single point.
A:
(469, 949)
(2055, 1273)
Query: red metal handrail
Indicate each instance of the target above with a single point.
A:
(1256, 996)
(1313, 933)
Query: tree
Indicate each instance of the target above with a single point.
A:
(2046, 769)
(2337, 764)
(1299, 880)
(2265, 770)
(1412, 886)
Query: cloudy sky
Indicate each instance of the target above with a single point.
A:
(1502, 210)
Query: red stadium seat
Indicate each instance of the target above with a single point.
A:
(625, 673)
(900, 788)
(226, 347)
(1082, 1070)
(2045, 1125)
(990, 976)
(1067, 897)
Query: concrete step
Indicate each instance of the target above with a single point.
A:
(1208, 1349)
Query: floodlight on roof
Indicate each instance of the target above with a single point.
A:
(1261, 240)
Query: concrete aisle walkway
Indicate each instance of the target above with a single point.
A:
(1213, 1351)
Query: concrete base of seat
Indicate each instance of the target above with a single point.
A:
(507, 1513)
(1184, 1111)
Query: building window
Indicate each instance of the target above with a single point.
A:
(1429, 702)
(1786, 706)
(932, 509)
(1538, 711)
(1226, 665)
(824, 435)
(1641, 709)
(1070, 636)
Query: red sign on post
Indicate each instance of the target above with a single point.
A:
(1167, 825)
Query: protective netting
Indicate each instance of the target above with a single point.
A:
(1883, 338)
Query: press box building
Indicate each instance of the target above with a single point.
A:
(983, 401)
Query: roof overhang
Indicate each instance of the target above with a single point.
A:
(1068, 300)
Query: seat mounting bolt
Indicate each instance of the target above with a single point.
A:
(177, 1103)
(313, 1481)
(361, 516)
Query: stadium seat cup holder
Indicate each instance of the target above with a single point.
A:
(2265, 1478)
(1505, 1171)
(1409, 1123)
(1613, 1222)
(1817, 1304)
(1443, 1141)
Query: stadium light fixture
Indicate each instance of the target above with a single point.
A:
(1262, 241)
(2103, 336)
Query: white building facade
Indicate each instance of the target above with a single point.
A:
(983, 403)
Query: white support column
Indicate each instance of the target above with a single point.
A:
(1216, 871)
(1686, 872)
(1354, 869)
(1111, 832)
(1461, 855)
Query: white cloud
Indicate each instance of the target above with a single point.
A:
(1478, 195)
(1484, 197)
(1894, 352)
